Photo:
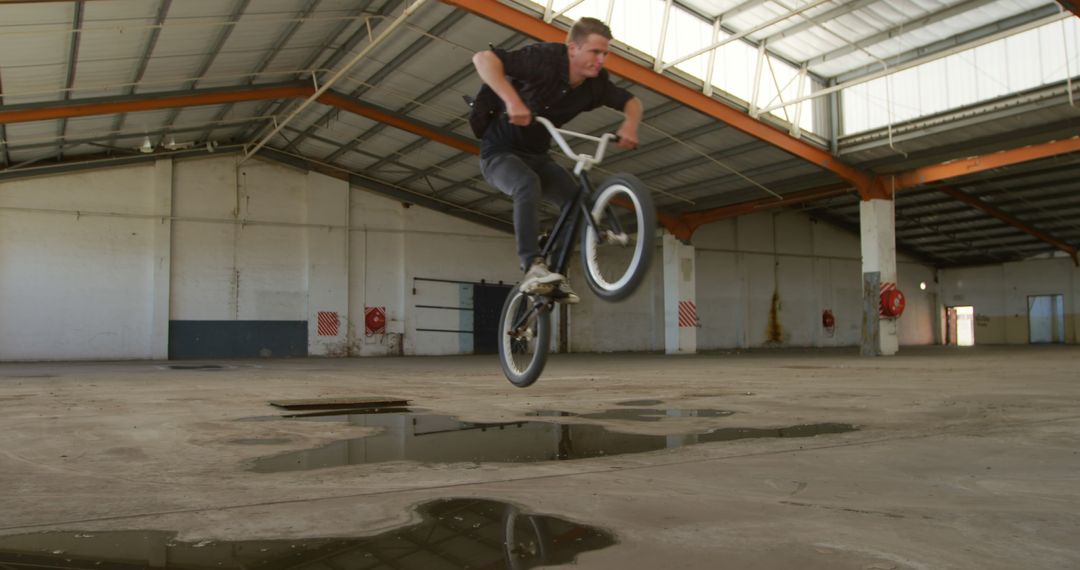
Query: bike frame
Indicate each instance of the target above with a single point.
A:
(573, 211)
(569, 222)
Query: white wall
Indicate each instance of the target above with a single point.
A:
(201, 239)
(93, 265)
(77, 265)
(740, 264)
(999, 295)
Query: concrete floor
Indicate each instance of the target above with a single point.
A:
(965, 458)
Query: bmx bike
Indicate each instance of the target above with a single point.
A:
(617, 244)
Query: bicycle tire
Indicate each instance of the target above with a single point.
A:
(523, 354)
(540, 535)
(602, 259)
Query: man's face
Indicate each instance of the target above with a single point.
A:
(587, 58)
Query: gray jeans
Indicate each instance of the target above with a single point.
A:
(527, 178)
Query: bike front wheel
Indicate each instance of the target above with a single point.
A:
(617, 247)
(524, 337)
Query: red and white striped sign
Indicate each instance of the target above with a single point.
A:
(328, 323)
(687, 314)
(885, 288)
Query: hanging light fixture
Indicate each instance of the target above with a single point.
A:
(147, 146)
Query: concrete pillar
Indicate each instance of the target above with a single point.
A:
(680, 303)
(162, 271)
(878, 228)
(328, 274)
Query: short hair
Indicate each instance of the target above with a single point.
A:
(586, 27)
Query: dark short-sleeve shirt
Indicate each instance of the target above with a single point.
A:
(541, 75)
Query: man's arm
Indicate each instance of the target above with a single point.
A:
(628, 137)
(490, 69)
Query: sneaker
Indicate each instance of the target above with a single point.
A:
(539, 280)
(564, 294)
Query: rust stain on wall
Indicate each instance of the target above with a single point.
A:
(774, 333)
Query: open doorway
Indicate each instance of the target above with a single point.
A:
(1046, 319)
(960, 326)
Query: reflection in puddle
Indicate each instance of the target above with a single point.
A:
(353, 412)
(444, 439)
(654, 415)
(454, 533)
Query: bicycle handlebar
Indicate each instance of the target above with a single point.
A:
(584, 161)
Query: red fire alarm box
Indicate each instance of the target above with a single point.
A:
(374, 320)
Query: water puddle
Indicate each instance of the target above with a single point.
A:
(454, 533)
(445, 439)
(637, 414)
(640, 403)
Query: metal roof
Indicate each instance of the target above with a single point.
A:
(185, 73)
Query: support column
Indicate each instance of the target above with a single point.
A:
(878, 228)
(162, 271)
(328, 283)
(680, 303)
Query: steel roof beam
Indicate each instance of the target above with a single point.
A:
(975, 221)
(95, 140)
(53, 110)
(436, 90)
(740, 8)
(144, 60)
(211, 55)
(958, 40)
(711, 183)
(816, 21)
(344, 48)
(1012, 196)
(395, 162)
(72, 63)
(973, 165)
(1008, 219)
(108, 105)
(937, 229)
(279, 43)
(390, 28)
(387, 69)
(1071, 5)
(432, 92)
(618, 65)
(702, 161)
(402, 122)
(699, 218)
(906, 27)
(887, 71)
(661, 65)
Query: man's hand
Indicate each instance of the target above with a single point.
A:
(517, 112)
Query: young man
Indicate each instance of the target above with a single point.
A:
(556, 81)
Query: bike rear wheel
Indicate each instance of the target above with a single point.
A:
(524, 337)
(616, 251)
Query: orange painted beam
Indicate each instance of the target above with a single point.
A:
(952, 169)
(696, 219)
(353, 106)
(1008, 219)
(69, 109)
(526, 24)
